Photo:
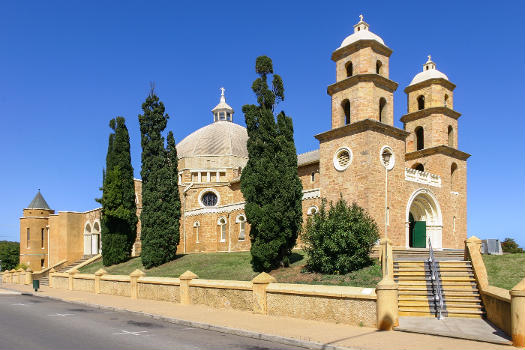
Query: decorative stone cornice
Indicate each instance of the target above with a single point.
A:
(377, 79)
(446, 150)
(363, 125)
(428, 111)
(358, 45)
(221, 209)
(440, 81)
(307, 194)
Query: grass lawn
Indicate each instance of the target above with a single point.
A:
(505, 271)
(236, 266)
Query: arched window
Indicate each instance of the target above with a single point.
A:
(345, 105)
(421, 102)
(420, 138)
(312, 210)
(450, 136)
(42, 238)
(241, 220)
(349, 69)
(382, 105)
(222, 224)
(196, 226)
(312, 176)
(453, 177)
(378, 67)
(418, 166)
(445, 101)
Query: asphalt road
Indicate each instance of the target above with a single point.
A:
(29, 322)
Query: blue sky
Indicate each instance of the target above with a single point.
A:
(68, 67)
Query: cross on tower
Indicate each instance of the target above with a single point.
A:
(222, 91)
(360, 18)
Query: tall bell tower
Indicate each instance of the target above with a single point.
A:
(352, 154)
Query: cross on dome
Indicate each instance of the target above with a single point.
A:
(222, 111)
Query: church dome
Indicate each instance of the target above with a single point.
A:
(429, 72)
(361, 32)
(219, 138)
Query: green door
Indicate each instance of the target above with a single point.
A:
(419, 235)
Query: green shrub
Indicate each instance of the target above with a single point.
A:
(509, 245)
(339, 240)
(21, 265)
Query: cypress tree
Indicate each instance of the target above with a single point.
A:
(269, 182)
(119, 211)
(160, 197)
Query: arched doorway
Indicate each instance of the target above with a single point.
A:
(423, 220)
(95, 239)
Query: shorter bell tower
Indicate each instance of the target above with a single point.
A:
(431, 119)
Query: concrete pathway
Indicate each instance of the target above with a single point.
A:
(462, 328)
(8, 292)
(306, 333)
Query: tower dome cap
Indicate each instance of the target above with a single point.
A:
(361, 32)
(429, 72)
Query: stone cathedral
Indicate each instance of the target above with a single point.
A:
(412, 181)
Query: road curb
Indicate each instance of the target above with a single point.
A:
(448, 335)
(220, 329)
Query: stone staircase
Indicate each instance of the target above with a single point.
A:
(44, 281)
(461, 295)
(420, 254)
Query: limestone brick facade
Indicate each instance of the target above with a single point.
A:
(415, 176)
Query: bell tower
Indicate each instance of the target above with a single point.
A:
(353, 153)
(363, 89)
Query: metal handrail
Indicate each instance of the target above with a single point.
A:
(436, 281)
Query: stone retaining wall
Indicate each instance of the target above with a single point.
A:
(506, 309)
(348, 305)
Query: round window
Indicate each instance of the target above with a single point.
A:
(209, 199)
(342, 158)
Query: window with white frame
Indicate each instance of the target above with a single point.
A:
(222, 224)
(241, 220)
(312, 210)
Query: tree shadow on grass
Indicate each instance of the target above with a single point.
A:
(295, 257)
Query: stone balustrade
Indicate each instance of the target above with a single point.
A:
(422, 177)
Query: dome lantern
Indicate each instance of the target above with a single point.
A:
(223, 111)
(429, 72)
(361, 32)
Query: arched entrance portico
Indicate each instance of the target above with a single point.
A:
(423, 220)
